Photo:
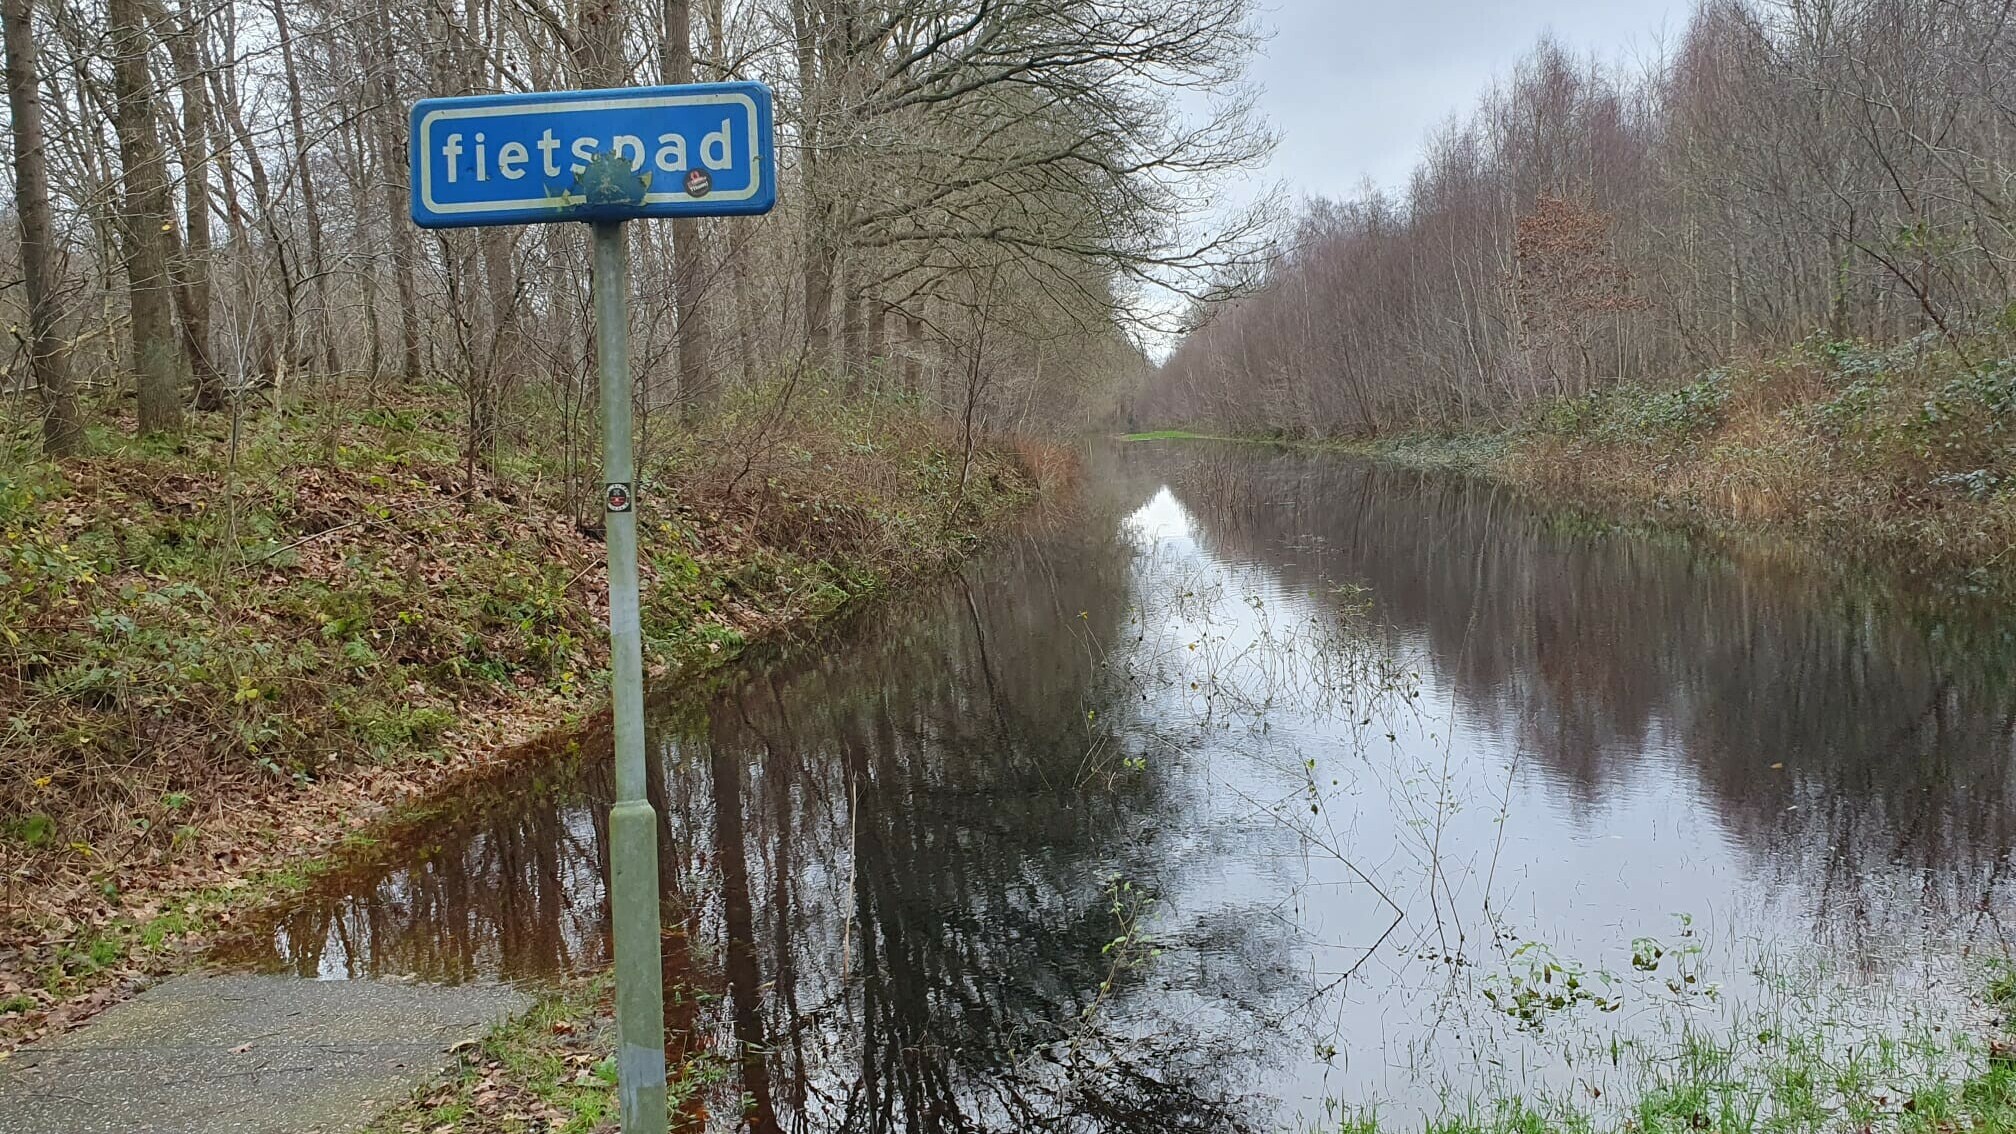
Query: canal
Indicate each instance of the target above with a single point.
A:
(1255, 786)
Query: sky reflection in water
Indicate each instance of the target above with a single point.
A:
(1341, 751)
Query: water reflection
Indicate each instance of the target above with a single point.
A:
(510, 886)
(1248, 786)
(913, 841)
(1862, 762)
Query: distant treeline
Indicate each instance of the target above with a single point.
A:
(211, 197)
(1790, 167)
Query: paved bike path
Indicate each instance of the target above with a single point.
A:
(241, 1054)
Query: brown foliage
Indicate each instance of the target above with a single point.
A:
(1565, 278)
(198, 706)
(1789, 167)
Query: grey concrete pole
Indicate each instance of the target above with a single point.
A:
(633, 828)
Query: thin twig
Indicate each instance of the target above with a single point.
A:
(305, 539)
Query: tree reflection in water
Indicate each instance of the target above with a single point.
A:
(888, 863)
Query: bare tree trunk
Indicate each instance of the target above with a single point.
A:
(697, 386)
(147, 216)
(317, 266)
(818, 291)
(878, 331)
(193, 264)
(276, 353)
(355, 150)
(599, 43)
(392, 169)
(748, 310)
(745, 320)
(61, 434)
(853, 332)
(976, 376)
(820, 252)
(913, 360)
(503, 356)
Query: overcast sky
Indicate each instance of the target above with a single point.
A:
(1355, 85)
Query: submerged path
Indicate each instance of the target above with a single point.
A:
(247, 1055)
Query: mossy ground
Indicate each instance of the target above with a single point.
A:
(222, 659)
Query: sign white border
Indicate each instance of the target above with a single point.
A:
(569, 200)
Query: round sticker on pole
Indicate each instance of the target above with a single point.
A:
(699, 183)
(619, 497)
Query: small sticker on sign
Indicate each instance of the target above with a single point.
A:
(699, 183)
(619, 497)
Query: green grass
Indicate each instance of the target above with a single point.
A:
(557, 1059)
(1178, 435)
(1721, 1088)
(1794, 1073)
(1461, 452)
(2001, 987)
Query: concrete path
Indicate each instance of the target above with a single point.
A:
(246, 1055)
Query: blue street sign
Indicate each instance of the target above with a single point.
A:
(702, 150)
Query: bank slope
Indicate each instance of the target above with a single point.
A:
(222, 661)
(1902, 456)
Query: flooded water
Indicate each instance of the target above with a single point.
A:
(1264, 784)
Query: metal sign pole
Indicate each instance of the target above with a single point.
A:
(633, 826)
(546, 157)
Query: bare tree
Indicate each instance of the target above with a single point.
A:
(62, 434)
(689, 270)
(918, 138)
(1791, 166)
(304, 183)
(145, 220)
(193, 263)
